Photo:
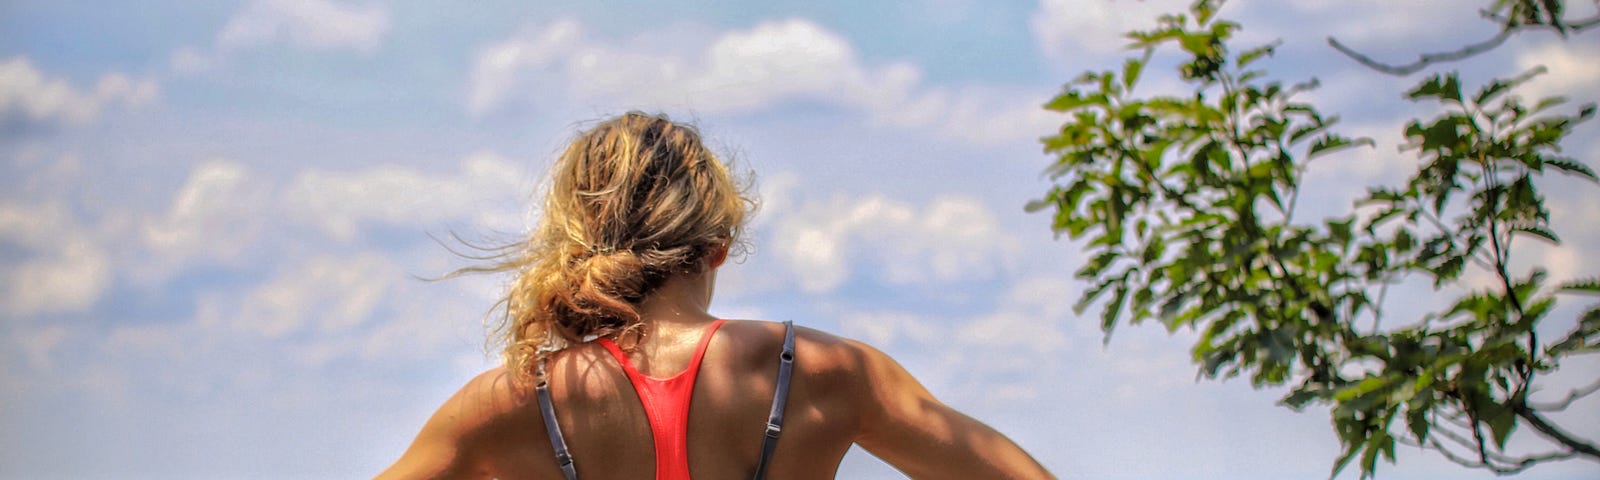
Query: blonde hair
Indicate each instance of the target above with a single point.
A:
(631, 202)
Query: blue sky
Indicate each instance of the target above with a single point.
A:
(213, 214)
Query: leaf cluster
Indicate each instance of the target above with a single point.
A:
(1186, 207)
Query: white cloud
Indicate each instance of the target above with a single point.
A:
(307, 24)
(1068, 29)
(40, 345)
(1033, 315)
(1573, 70)
(996, 357)
(882, 329)
(1085, 31)
(224, 210)
(190, 60)
(740, 71)
(950, 239)
(217, 214)
(323, 294)
(362, 306)
(311, 24)
(795, 59)
(495, 67)
(1381, 23)
(67, 270)
(341, 203)
(28, 93)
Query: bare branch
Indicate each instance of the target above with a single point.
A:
(1571, 396)
(1423, 61)
(1511, 465)
(1555, 433)
(1497, 462)
(1453, 436)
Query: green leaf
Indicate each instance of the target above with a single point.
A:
(1493, 89)
(1108, 315)
(1534, 312)
(1417, 421)
(1073, 100)
(1591, 286)
(1498, 86)
(1098, 264)
(1334, 142)
(1364, 387)
(1350, 451)
(1131, 68)
(1034, 206)
(1572, 168)
(1442, 87)
(1501, 422)
(1203, 10)
(1369, 458)
(1299, 398)
(1379, 443)
(1538, 231)
(1251, 55)
(1583, 337)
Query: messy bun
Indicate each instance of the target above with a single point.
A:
(631, 202)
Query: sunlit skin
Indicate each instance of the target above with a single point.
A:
(843, 392)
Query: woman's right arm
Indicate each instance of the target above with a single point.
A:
(903, 424)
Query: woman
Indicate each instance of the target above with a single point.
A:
(608, 341)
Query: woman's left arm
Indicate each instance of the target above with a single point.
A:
(442, 449)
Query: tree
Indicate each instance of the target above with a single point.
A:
(1187, 207)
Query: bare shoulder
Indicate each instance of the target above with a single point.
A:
(452, 444)
(481, 406)
(493, 393)
(821, 350)
(846, 367)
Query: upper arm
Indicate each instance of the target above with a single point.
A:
(433, 454)
(443, 448)
(903, 424)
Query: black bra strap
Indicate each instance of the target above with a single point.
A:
(557, 441)
(780, 398)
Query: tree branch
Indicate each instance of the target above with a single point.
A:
(1449, 237)
(1497, 462)
(1553, 432)
(1424, 60)
(1512, 465)
(1377, 310)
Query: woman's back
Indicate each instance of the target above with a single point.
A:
(502, 435)
(638, 219)
(609, 436)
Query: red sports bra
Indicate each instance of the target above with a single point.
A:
(666, 406)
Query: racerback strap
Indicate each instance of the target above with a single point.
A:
(780, 399)
(769, 444)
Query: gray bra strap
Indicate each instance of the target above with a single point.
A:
(548, 410)
(780, 398)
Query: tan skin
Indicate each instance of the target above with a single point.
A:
(843, 392)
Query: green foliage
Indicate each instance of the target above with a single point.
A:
(1186, 207)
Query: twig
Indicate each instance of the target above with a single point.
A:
(1424, 60)
(1555, 433)
(1514, 465)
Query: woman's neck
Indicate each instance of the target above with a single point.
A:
(684, 299)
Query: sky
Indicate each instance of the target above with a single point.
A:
(217, 218)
